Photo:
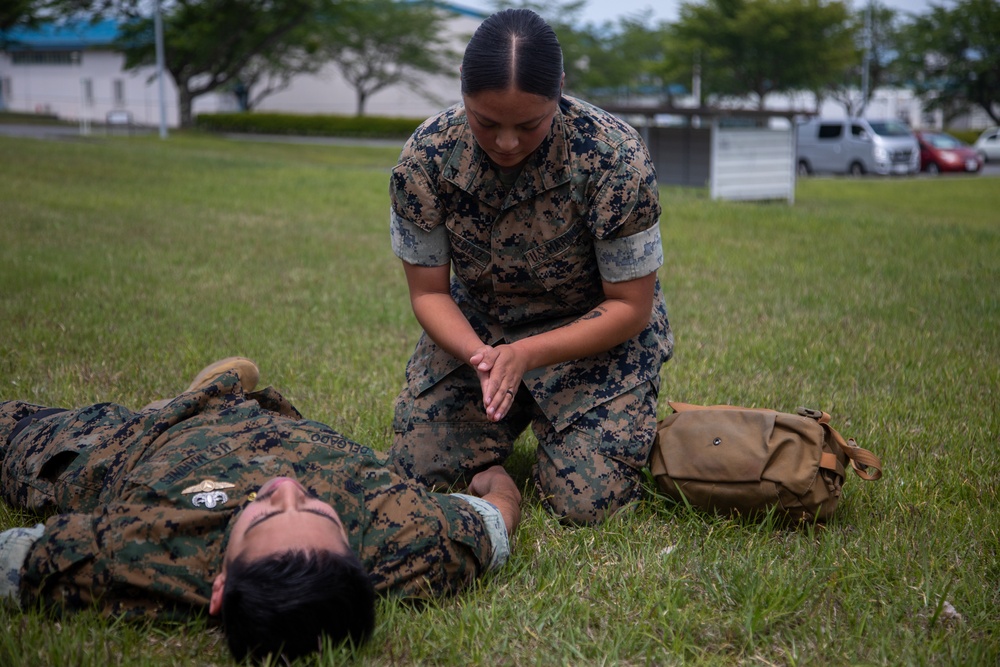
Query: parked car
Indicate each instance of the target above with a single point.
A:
(988, 145)
(856, 146)
(943, 152)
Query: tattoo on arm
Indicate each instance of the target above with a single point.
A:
(594, 314)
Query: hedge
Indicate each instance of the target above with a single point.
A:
(321, 125)
(308, 125)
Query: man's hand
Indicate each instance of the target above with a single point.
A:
(496, 486)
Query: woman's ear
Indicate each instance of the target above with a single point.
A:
(215, 602)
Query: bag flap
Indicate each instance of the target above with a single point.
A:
(716, 445)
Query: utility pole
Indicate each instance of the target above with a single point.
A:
(158, 28)
(866, 61)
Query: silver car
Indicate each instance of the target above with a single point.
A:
(988, 145)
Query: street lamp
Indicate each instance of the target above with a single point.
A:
(158, 28)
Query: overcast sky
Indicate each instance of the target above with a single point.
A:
(599, 11)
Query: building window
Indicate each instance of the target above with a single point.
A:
(118, 87)
(45, 58)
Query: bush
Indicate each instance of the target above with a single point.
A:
(308, 125)
(968, 136)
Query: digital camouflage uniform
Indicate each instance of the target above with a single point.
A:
(137, 529)
(585, 208)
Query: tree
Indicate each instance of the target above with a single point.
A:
(210, 44)
(760, 47)
(17, 12)
(951, 57)
(875, 34)
(268, 73)
(380, 43)
(622, 59)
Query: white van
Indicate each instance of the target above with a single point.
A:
(856, 146)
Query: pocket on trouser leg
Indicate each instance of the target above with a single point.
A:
(51, 463)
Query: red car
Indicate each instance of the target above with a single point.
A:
(943, 152)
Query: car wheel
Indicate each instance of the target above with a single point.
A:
(804, 169)
(933, 169)
(983, 156)
(856, 169)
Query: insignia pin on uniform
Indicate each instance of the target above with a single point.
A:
(209, 493)
(210, 499)
(208, 485)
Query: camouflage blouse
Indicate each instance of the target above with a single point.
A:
(143, 512)
(584, 209)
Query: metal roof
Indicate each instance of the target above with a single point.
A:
(66, 36)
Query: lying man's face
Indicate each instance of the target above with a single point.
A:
(283, 517)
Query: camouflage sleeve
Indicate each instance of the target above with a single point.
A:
(627, 199)
(15, 544)
(422, 544)
(630, 257)
(495, 528)
(124, 561)
(413, 192)
(417, 246)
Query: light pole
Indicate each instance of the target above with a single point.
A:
(158, 29)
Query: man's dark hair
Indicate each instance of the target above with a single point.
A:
(285, 603)
(514, 47)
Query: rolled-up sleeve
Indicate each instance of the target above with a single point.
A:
(417, 246)
(630, 257)
(495, 528)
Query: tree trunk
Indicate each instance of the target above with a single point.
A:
(184, 103)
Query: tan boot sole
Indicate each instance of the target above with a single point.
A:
(247, 371)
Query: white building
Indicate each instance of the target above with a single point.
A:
(71, 71)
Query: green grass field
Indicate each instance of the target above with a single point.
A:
(126, 264)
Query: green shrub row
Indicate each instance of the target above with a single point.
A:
(308, 125)
(323, 125)
(968, 136)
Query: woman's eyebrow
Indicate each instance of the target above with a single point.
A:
(486, 119)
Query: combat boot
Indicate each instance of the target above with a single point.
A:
(245, 369)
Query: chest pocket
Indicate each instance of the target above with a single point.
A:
(470, 260)
(568, 258)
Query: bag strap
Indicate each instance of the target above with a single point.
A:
(861, 459)
(866, 465)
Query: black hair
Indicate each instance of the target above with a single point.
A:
(285, 603)
(514, 47)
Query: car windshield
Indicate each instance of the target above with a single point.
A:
(890, 128)
(943, 141)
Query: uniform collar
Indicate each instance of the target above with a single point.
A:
(469, 169)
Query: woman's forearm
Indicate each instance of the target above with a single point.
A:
(621, 316)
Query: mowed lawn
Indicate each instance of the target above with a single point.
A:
(127, 264)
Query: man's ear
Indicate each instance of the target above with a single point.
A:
(215, 602)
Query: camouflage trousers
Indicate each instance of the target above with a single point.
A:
(58, 460)
(583, 473)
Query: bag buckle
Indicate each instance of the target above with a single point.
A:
(809, 412)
